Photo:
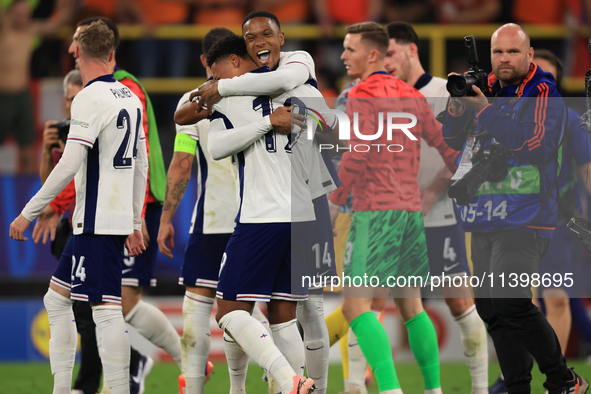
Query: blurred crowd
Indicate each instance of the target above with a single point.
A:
(33, 49)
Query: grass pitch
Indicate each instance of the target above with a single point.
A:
(35, 378)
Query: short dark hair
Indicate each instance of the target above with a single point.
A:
(403, 33)
(554, 60)
(231, 45)
(213, 36)
(262, 14)
(372, 32)
(110, 24)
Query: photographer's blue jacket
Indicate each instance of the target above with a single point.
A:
(529, 120)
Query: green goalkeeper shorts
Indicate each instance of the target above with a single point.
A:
(386, 243)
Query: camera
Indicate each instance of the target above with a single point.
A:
(461, 85)
(490, 164)
(63, 128)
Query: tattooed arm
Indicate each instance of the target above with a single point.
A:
(179, 174)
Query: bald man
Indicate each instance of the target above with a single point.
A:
(512, 221)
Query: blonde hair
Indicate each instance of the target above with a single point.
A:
(97, 41)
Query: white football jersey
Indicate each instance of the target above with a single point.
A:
(301, 57)
(442, 212)
(216, 206)
(264, 168)
(106, 117)
(308, 158)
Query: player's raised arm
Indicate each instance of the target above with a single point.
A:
(297, 69)
(224, 140)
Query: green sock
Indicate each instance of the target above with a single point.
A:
(374, 343)
(423, 342)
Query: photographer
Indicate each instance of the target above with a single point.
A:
(54, 136)
(52, 145)
(511, 202)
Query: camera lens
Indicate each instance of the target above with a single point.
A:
(461, 85)
(457, 85)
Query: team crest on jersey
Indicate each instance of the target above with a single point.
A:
(80, 123)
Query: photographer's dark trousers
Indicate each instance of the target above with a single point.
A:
(518, 329)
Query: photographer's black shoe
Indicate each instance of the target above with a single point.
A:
(576, 385)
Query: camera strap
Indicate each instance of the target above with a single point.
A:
(466, 158)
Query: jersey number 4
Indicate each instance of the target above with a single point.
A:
(264, 103)
(122, 158)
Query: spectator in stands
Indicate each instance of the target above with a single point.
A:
(333, 12)
(287, 11)
(17, 33)
(220, 12)
(529, 11)
(152, 54)
(467, 11)
(411, 11)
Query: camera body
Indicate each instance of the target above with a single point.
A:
(63, 128)
(460, 85)
(490, 164)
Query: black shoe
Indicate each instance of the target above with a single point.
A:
(138, 379)
(498, 387)
(576, 385)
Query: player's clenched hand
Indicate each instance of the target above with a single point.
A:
(18, 228)
(135, 243)
(209, 94)
(281, 120)
(46, 225)
(166, 233)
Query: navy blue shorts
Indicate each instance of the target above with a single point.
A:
(321, 263)
(90, 268)
(257, 263)
(560, 258)
(202, 260)
(139, 271)
(446, 248)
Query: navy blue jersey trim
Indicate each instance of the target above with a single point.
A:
(219, 115)
(241, 163)
(331, 169)
(198, 227)
(102, 78)
(423, 81)
(92, 185)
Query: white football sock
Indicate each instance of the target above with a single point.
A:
(310, 313)
(434, 391)
(64, 338)
(253, 338)
(357, 361)
(288, 340)
(153, 325)
(196, 340)
(474, 342)
(237, 365)
(258, 314)
(113, 342)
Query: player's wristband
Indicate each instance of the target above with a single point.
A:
(185, 144)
